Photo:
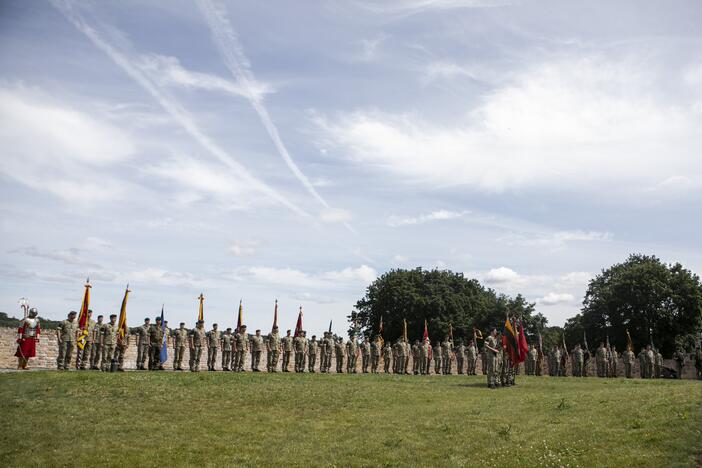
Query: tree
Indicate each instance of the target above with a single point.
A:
(654, 301)
(440, 297)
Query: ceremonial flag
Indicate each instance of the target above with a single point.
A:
(275, 314)
(523, 345)
(629, 343)
(450, 331)
(83, 317)
(122, 323)
(240, 318)
(404, 330)
(380, 327)
(163, 357)
(330, 324)
(509, 341)
(541, 346)
(426, 331)
(298, 326)
(201, 312)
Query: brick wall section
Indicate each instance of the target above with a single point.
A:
(47, 353)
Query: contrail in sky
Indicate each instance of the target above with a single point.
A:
(171, 106)
(234, 58)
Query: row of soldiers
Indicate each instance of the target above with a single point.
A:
(104, 345)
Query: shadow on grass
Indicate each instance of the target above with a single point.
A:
(473, 384)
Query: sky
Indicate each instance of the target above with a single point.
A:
(296, 151)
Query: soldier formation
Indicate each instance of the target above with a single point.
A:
(104, 349)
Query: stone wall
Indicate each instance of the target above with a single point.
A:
(47, 353)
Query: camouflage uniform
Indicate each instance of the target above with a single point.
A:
(67, 342)
(339, 349)
(649, 358)
(300, 347)
(351, 349)
(399, 357)
(241, 347)
(109, 340)
(86, 352)
(601, 361)
(143, 333)
(446, 356)
(679, 358)
(577, 362)
(256, 350)
(287, 343)
(491, 361)
(424, 358)
(226, 344)
(273, 347)
(327, 351)
(460, 357)
(387, 357)
(121, 348)
(415, 358)
(213, 338)
(376, 351)
(613, 362)
(532, 357)
(628, 357)
(180, 342)
(365, 355)
(156, 343)
(198, 339)
(472, 358)
(438, 352)
(96, 348)
(312, 348)
(408, 353)
(658, 365)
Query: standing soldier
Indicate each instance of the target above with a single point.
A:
(491, 350)
(614, 362)
(387, 357)
(460, 356)
(121, 348)
(287, 351)
(365, 354)
(447, 355)
(273, 349)
(415, 357)
(198, 339)
(437, 357)
(472, 358)
(96, 348)
(679, 357)
(649, 358)
(532, 357)
(578, 360)
(600, 360)
(408, 354)
(83, 356)
(256, 350)
(628, 357)
(109, 340)
(557, 361)
(226, 343)
(398, 357)
(376, 351)
(180, 342)
(213, 339)
(339, 348)
(659, 364)
(312, 348)
(143, 333)
(351, 350)
(327, 351)
(156, 342)
(241, 348)
(300, 348)
(66, 334)
(424, 357)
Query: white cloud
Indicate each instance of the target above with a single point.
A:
(439, 215)
(554, 240)
(161, 277)
(244, 248)
(501, 275)
(400, 258)
(298, 279)
(584, 124)
(335, 215)
(70, 256)
(553, 298)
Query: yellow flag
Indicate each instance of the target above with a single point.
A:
(201, 312)
(122, 324)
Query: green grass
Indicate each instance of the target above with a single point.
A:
(224, 419)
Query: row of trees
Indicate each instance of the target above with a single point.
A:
(655, 302)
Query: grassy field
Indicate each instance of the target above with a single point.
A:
(218, 419)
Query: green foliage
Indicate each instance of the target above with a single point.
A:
(654, 301)
(440, 297)
(231, 419)
(11, 322)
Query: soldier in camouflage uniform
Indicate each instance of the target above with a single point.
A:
(387, 357)
(287, 343)
(156, 343)
(679, 358)
(532, 357)
(601, 360)
(339, 350)
(67, 334)
(143, 333)
(649, 358)
(408, 354)
(351, 357)
(96, 348)
(578, 360)
(398, 355)
(312, 349)
(109, 340)
(300, 348)
(491, 351)
(256, 350)
(241, 347)
(460, 356)
(614, 362)
(197, 340)
(446, 355)
(438, 352)
(273, 350)
(327, 351)
(365, 354)
(226, 344)
(83, 355)
(415, 357)
(180, 342)
(121, 348)
(213, 339)
(472, 358)
(659, 364)
(376, 351)
(629, 358)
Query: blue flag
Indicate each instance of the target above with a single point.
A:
(164, 348)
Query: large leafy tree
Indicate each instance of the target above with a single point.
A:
(441, 298)
(654, 301)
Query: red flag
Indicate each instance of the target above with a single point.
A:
(523, 345)
(426, 331)
(83, 315)
(298, 327)
(275, 314)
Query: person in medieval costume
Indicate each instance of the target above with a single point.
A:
(27, 339)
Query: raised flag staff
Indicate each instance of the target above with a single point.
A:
(163, 356)
(83, 323)
(275, 314)
(201, 310)
(240, 316)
